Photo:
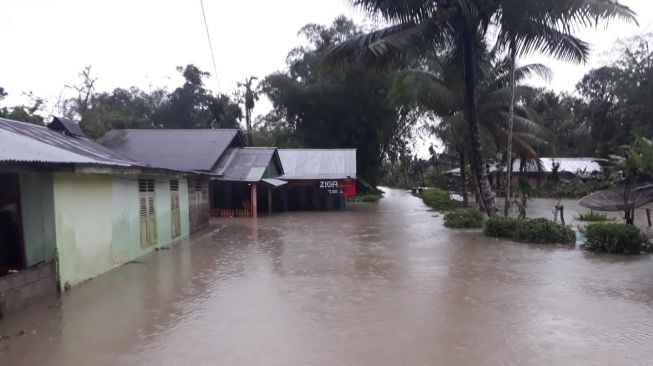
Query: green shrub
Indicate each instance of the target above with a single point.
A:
(543, 231)
(463, 219)
(592, 216)
(613, 238)
(500, 227)
(439, 199)
(537, 231)
(369, 198)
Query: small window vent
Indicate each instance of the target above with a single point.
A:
(146, 185)
(198, 186)
(174, 185)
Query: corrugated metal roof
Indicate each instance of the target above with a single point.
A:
(584, 166)
(318, 163)
(246, 164)
(569, 165)
(24, 142)
(184, 150)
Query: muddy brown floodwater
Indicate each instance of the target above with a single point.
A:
(377, 285)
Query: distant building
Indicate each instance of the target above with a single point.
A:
(64, 195)
(538, 172)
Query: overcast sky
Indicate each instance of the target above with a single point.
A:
(45, 43)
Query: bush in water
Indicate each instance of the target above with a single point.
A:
(543, 231)
(439, 199)
(591, 216)
(613, 238)
(500, 227)
(538, 231)
(463, 219)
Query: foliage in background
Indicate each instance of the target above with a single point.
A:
(463, 219)
(613, 238)
(592, 216)
(575, 188)
(439, 200)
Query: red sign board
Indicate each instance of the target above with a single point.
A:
(348, 187)
(343, 187)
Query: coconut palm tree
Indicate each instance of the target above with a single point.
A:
(440, 91)
(425, 25)
(512, 27)
(251, 96)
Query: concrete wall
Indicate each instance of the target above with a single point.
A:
(98, 226)
(18, 290)
(37, 211)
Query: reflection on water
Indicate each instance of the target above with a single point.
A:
(378, 285)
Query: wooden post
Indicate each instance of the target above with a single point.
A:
(285, 199)
(270, 200)
(648, 216)
(253, 199)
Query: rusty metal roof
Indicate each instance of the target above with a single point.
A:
(24, 142)
(247, 164)
(318, 163)
(177, 149)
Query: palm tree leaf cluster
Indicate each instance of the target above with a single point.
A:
(420, 27)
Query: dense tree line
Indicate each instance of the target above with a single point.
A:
(190, 105)
(344, 87)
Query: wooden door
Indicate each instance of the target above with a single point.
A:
(147, 212)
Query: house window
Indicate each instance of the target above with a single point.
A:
(198, 185)
(175, 214)
(147, 212)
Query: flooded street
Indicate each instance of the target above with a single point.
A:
(382, 284)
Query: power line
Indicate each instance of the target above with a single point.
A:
(208, 36)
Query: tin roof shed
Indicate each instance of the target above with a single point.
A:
(249, 164)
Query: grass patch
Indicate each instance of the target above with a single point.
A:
(463, 219)
(367, 198)
(537, 231)
(591, 216)
(439, 200)
(614, 238)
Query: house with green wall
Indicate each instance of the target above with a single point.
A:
(71, 209)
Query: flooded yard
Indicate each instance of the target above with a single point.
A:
(382, 284)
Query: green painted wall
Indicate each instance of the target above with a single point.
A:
(37, 211)
(98, 225)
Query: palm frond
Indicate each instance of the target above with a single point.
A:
(386, 44)
(424, 89)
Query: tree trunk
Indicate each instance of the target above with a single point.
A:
(471, 114)
(463, 177)
(248, 120)
(513, 58)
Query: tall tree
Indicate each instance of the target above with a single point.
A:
(345, 109)
(250, 97)
(426, 24)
